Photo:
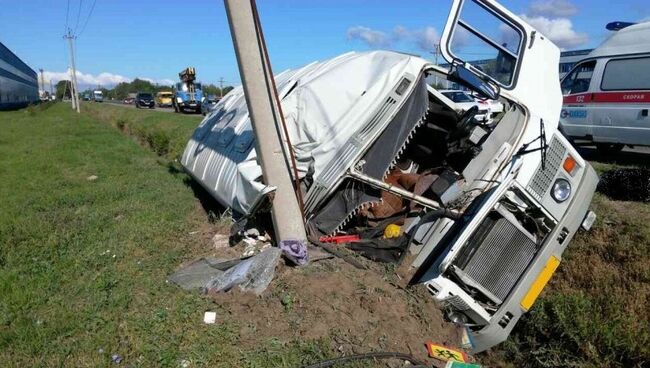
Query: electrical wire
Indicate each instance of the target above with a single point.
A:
(78, 16)
(87, 18)
(379, 355)
(67, 14)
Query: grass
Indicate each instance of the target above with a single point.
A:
(165, 133)
(83, 263)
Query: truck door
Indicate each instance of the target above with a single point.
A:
(622, 102)
(577, 116)
(500, 46)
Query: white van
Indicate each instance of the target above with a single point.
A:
(500, 202)
(607, 95)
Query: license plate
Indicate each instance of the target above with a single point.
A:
(539, 284)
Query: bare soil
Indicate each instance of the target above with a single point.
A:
(356, 310)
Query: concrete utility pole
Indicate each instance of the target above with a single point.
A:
(221, 87)
(74, 88)
(42, 84)
(263, 109)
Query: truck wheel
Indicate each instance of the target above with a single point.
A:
(609, 148)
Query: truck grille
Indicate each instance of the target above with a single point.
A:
(543, 178)
(497, 255)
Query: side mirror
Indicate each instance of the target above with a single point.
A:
(462, 75)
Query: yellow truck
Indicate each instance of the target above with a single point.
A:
(164, 99)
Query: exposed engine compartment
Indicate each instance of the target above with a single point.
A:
(422, 154)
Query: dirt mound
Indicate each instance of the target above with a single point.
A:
(358, 310)
(626, 184)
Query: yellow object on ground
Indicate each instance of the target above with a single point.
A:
(445, 354)
(392, 231)
(539, 284)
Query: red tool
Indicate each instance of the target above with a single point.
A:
(340, 239)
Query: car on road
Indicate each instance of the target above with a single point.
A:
(128, 100)
(144, 99)
(464, 101)
(164, 98)
(209, 104)
(485, 211)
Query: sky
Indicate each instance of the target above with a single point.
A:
(154, 40)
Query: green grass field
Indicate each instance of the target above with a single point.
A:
(83, 262)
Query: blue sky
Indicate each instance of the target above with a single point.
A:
(156, 39)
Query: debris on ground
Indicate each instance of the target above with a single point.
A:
(454, 364)
(92, 178)
(220, 241)
(117, 359)
(295, 251)
(626, 184)
(253, 274)
(211, 275)
(446, 354)
(209, 318)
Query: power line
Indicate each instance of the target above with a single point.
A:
(78, 16)
(67, 13)
(87, 18)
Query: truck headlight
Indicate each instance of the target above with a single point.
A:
(561, 190)
(179, 100)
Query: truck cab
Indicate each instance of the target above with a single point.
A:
(98, 96)
(188, 94)
(485, 209)
(607, 94)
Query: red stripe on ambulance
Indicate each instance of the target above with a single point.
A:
(609, 97)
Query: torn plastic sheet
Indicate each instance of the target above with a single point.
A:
(209, 275)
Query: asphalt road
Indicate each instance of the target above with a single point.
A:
(163, 109)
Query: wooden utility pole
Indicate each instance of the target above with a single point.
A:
(264, 111)
(74, 88)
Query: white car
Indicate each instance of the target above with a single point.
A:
(486, 211)
(607, 95)
(464, 101)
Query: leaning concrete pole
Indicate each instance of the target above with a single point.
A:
(262, 102)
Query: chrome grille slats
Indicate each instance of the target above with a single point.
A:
(543, 178)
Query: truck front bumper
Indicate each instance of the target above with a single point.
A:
(533, 281)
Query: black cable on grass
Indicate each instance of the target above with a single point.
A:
(378, 355)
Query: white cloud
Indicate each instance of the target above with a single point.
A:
(427, 38)
(552, 8)
(103, 79)
(558, 30)
(371, 37)
(424, 39)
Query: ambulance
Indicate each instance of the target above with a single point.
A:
(607, 94)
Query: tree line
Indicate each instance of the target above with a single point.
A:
(122, 90)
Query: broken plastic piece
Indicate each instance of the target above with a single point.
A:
(454, 364)
(295, 251)
(253, 274)
(210, 317)
(446, 354)
(340, 239)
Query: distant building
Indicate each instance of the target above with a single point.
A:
(568, 60)
(18, 82)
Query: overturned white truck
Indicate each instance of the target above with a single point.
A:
(485, 209)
